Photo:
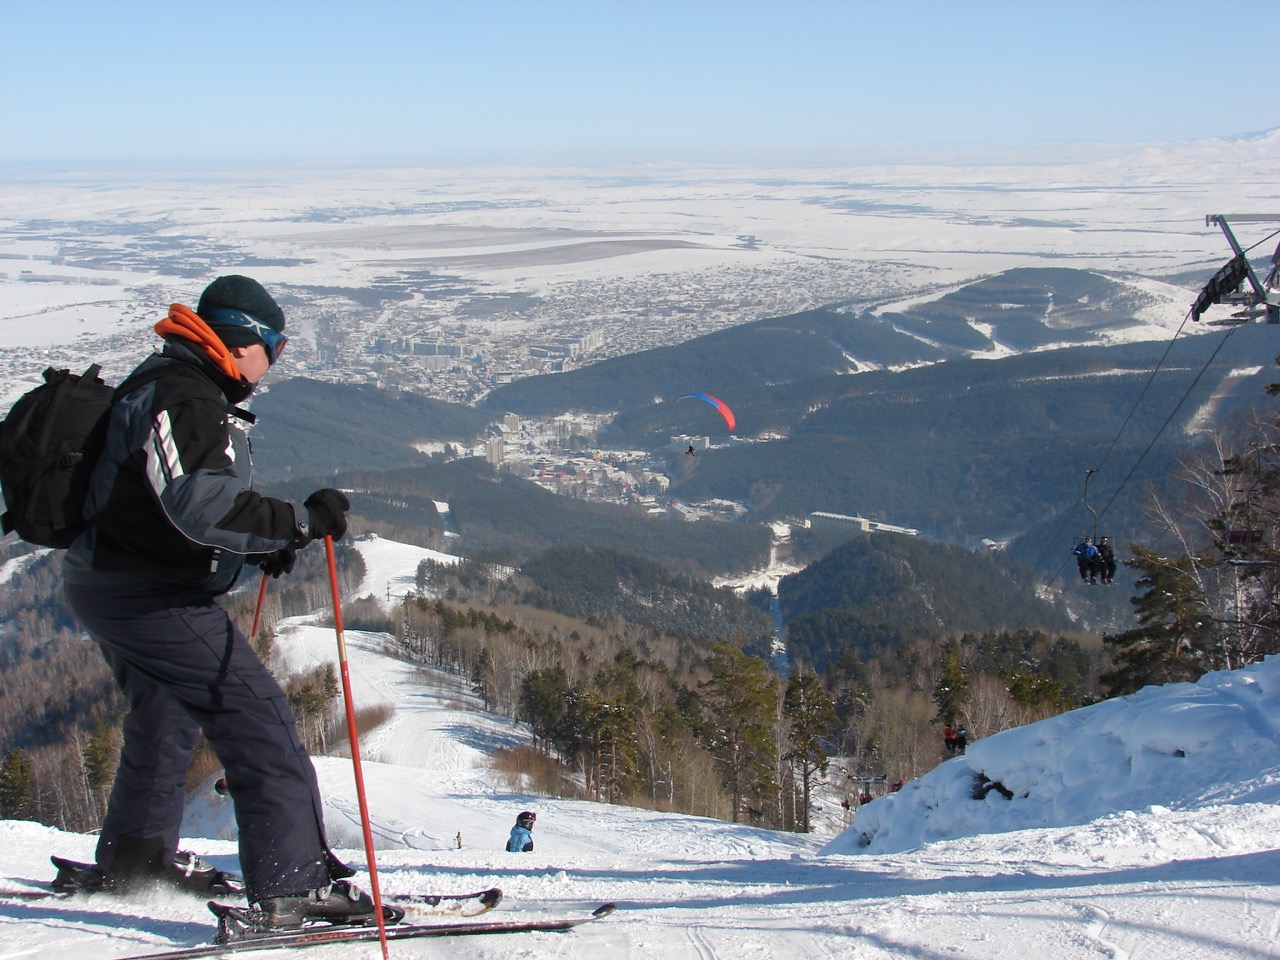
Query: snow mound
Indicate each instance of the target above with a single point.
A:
(1184, 747)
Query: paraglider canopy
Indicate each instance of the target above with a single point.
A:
(720, 405)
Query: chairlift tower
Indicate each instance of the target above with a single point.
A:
(1236, 282)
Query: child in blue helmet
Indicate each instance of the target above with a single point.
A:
(521, 839)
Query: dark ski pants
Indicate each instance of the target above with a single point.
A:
(185, 668)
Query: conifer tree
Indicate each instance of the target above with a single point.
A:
(811, 715)
(952, 689)
(482, 677)
(1175, 626)
(101, 755)
(17, 786)
(739, 702)
(543, 702)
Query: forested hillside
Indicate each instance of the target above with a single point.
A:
(592, 583)
(976, 449)
(310, 428)
(496, 512)
(877, 591)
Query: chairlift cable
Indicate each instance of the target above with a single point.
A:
(1169, 419)
(1116, 439)
(1150, 379)
(1145, 387)
(1239, 251)
(1123, 483)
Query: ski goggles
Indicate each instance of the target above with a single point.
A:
(271, 338)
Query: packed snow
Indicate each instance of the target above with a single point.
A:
(1140, 827)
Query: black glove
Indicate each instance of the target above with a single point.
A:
(277, 563)
(327, 513)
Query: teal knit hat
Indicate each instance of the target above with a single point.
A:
(242, 294)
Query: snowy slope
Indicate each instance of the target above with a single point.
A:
(391, 569)
(1189, 747)
(1121, 847)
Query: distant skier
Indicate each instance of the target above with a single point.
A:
(1087, 560)
(521, 839)
(1106, 560)
(949, 738)
(690, 452)
(962, 738)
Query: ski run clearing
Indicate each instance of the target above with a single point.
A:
(1144, 827)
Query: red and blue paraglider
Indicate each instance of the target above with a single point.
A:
(720, 405)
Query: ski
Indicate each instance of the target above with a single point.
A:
(445, 904)
(32, 895)
(325, 935)
(413, 904)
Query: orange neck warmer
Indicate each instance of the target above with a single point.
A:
(186, 323)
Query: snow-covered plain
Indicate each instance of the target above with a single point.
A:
(90, 260)
(1143, 827)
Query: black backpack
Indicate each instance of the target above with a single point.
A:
(49, 444)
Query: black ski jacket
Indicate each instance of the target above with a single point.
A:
(172, 493)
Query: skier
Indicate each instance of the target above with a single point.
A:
(1086, 555)
(176, 521)
(962, 738)
(521, 839)
(949, 738)
(1106, 560)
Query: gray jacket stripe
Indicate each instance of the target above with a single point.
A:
(163, 463)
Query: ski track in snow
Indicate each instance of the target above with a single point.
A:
(1121, 848)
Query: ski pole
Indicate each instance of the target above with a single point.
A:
(355, 747)
(257, 611)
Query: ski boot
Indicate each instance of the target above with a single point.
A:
(74, 878)
(185, 871)
(340, 904)
(190, 873)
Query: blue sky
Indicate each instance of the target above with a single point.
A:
(484, 81)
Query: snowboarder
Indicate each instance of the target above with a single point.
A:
(1106, 560)
(1086, 555)
(962, 738)
(176, 522)
(521, 839)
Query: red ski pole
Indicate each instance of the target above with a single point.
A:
(355, 748)
(257, 611)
